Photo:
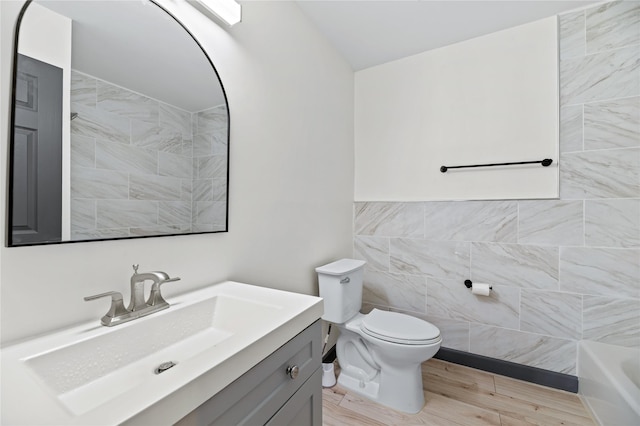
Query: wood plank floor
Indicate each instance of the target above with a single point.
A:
(458, 395)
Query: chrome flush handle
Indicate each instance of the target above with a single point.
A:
(345, 280)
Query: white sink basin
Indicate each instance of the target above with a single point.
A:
(92, 374)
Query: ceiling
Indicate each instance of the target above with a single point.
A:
(128, 42)
(372, 32)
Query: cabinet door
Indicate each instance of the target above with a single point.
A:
(305, 406)
(257, 395)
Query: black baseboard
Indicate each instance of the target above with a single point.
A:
(539, 376)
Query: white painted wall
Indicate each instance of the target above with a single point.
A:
(291, 164)
(46, 36)
(491, 99)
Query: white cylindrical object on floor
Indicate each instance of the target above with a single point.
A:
(480, 289)
(328, 375)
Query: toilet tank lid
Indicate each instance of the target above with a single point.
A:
(341, 267)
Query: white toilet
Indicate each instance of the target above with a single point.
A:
(379, 353)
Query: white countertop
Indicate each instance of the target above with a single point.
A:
(36, 388)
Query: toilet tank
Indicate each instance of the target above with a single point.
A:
(340, 285)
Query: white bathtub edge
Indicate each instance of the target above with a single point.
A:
(610, 396)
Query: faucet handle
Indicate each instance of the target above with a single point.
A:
(117, 306)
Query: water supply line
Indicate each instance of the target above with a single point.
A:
(326, 339)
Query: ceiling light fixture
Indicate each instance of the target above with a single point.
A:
(229, 11)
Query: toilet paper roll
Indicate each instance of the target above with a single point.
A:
(480, 289)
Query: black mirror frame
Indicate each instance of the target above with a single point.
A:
(10, 156)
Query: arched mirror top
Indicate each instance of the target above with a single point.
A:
(120, 126)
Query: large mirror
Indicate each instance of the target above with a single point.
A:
(120, 126)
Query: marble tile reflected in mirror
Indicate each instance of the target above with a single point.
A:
(144, 135)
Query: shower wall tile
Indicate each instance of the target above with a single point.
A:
(375, 250)
(613, 321)
(218, 227)
(553, 222)
(213, 166)
(126, 158)
(204, 227)
(174, 165)
(204, 212)
(96, 234)
(148, 187)
(606, 75)
(159, 230)
(83, 214)
(437, 259)
(389, 219)
(612, 223)
(551, 313)
(211, 120)
(516, 265)
(186, 190)
(571, 128)
(450, 299)
(219, 215)
(126, 213)
(175, 118)
(202, 145)
(404, 292)
(187, 147)
(157, 138)
(99, 124)
(220, 145)
(612, 25)
(220, 189)
(98, 184)
(612, 124)
(455, 334)
(203, 189)
(126, 103)
(549, 353)
(471, 221)
(155, 145)
(174, 213)
(605, 272)
(83, 151)
(83, 89)
(572, 41)
(600, 174)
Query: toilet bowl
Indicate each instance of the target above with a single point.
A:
(380, 353)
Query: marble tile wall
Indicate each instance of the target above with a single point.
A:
(143, 167)
(209, 170)
(561, 270)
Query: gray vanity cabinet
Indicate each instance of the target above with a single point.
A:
(273, 392)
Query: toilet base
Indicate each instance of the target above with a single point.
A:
(401, 390)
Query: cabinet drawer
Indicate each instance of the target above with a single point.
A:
(257, 395)
(305, 406)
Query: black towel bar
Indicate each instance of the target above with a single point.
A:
(546, 162)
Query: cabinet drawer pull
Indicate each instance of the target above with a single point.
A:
(292, 371)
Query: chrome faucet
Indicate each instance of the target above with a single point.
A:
(138, 307)
(137, 286)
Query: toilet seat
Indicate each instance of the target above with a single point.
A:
(399, 328)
